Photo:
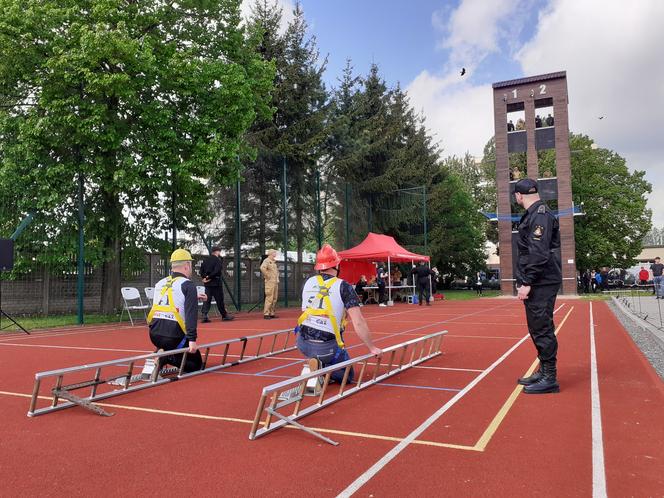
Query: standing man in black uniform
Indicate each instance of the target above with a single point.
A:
(422, 275)
(538, 279)
(211, 275)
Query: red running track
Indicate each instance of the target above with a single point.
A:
(192, 436)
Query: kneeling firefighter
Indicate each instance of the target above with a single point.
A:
(326, 301)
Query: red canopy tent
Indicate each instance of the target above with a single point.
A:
(375, 247)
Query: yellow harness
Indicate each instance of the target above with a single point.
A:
(170, 307)
(325, 309)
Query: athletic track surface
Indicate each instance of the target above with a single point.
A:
(458, 425)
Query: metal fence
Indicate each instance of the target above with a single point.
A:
(640, 300)
(41, 291)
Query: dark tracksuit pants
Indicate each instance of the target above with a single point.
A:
(193, 362)
(539, 316)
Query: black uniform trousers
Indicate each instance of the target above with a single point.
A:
(193, 362)
(423, 293)
(216, 292)
(539, 316)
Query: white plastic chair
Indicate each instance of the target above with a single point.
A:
(130, 294)
(200, 289)
(149, 294)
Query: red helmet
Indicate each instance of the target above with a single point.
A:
(326, 258)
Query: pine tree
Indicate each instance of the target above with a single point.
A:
(301, 118)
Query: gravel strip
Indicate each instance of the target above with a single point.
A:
(651, 346)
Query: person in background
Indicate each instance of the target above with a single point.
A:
(478, 284)
(211, 274)
(657, 267)
(270, 272)
(422, 275)
(644, 276)
(605, 278)
(586, 282)
(359, 289)
(435, 279)
(381, 275)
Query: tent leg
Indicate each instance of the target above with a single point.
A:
(389, 284)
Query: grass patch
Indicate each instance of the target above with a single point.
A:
(465, 295)
(595, 297)
(44, 322)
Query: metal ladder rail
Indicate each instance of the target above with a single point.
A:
(154, 381)
(422, 349)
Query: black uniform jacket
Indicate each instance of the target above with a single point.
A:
(422, 273)
(211, 268)
(539, 247)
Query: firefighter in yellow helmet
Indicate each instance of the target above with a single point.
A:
(173, 317)
(326, 300)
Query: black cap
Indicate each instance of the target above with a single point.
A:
(215, 249)
(526, 186)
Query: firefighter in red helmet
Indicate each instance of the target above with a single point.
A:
(326, 302)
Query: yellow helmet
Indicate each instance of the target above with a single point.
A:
(181, 255)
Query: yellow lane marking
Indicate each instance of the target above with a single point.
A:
(502, 413)
(363, 435)
(480, 446)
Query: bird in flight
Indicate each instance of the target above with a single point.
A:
(601, 117)
(463, 71)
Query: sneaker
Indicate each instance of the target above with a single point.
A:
(274, 316)
(383, 305)
(205, 319)
(267, 317)
(228, 318)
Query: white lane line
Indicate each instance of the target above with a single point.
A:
(599, 474)
(449, 368)
(390, 455)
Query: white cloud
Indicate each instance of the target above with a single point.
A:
(611, 50)
(476, 29)
(459, 113)
(447, 107)
(287, 7)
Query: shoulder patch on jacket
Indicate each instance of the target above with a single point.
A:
(541, 209)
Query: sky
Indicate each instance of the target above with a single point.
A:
(612, 51)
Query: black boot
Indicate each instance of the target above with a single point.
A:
(526, 381)
(206, 319)
(546, 384)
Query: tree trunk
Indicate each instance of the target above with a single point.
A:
(111, 270)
